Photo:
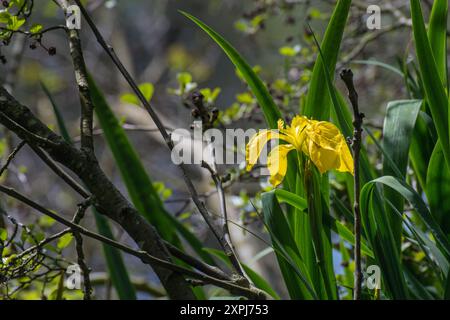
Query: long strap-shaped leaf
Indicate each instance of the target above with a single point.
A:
(298, 283)
(398, 126)
(437, 33)
(433, 86)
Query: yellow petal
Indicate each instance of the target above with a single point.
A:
(324, 159)
(277, 163)
(256, 145)
(300, 121)
(325, 134)
(346, 160)
(327, 147)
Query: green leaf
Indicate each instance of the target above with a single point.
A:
(3, 234)
(376, 227)
(433, 86)
(271, 112)
(210, 95)
(437, 33)
(297, 281)
(5, 16)
(438, 189)
(46, 222)
(130, 98)
(147, 90)
(301, 204)
(318, 100)
(114, 260)
(380, 64)
(36, 28)
(398, 126)
(419, 205)
(64, 241)
(15, 23)
(289, 51)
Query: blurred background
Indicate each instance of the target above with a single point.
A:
(160, 46)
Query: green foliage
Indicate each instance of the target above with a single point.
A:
(147, 90)
(64, 241)
(435, 90)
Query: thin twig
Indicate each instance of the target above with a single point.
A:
(79, 247)
(11, 157)
(347, 77)
(225, 230)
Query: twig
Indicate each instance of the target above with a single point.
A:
(347, 77)
(79, 247)
(60, 172)
(197, 264)
(11, 157)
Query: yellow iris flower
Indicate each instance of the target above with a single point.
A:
(321, 141)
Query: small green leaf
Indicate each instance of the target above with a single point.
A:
(130, 98)
(147, 90)
(184, 78)
(64, 241)
(15, 23)
(46, 221)
(3, 234)
(289, 51)
(245, 98)
(36, 28)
